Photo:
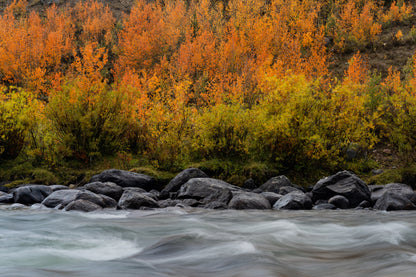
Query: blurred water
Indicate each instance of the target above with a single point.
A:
(195, 242)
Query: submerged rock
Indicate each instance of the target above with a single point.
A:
(324, 206)
(125, 179)
(343, 183)
(31, 194)
(249, 200)
(295, 200)
(184, 176)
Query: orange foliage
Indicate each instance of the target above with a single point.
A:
(358, 70)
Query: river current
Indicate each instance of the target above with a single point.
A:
(181, 242)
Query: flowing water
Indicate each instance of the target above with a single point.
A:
(195, 242)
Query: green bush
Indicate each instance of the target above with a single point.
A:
(86, 126)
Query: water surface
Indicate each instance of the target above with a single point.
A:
(195, 242)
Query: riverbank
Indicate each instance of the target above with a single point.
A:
(119, 189)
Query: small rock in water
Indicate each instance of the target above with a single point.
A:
(339, 201)
(293, 201)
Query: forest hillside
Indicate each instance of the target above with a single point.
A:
(241, 88)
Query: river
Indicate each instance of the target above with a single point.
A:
(180, 242)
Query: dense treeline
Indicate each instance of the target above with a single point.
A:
(176, 82)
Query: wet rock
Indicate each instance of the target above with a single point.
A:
(168, 203)
(249, 200)
(82, 205)
(397, 188)
(271, 197)
(6, 198)
(126, 179)
(31, 194)
(184, 176)
(108, 188)
(207, 190)
(135, 189)
(343, 183)
(61, 198)
(108, 202)
(392, 201)
(274, 184)
(324, 206)
(339, 201)
(58, 187)
(364, 204)
(191, 202)
(136, 200)
(215, 205)
(293, 201)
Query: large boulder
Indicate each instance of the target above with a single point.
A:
(135, 200)
(31, 194)
(391, 201)
(397, 188)
(108, 188)
(275, 183)
(58, 187)
(61, 198)
(82, 205)
(180, 179)
(249, 200)
(125, 179)
(207, 190)
(343, 183)
(295, 200)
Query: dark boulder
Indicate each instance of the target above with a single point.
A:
(343, 183)
(108, 188)
(125, 179)
(135, 189)
(82, 205)
(3, 188)
(392, 201)
(339, 201)
(285, 190)
(207, 190)
(136, 200)
(61, 198)
(324, 206)
(58, 187)
(6, 198)
(397, 188)
(249, 200)
(271, 197)
(31, 194)
(293, 201)
(364, 204)
(249, 184)
(274, 184)
(180, 179)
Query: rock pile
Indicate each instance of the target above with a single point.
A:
(118, 189)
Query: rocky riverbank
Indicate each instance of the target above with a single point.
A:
(118, 189)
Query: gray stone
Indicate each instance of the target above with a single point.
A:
(31, 194)
(6, 198)
(293, 201)
(274, 184)
(339, 201)
(285, 190)
(343, 183)
(180, 179)
(271, 197)
(207, 190)
(392, 201)
(108, 188)
(82, 205)
(136, 200)
(61, 198)
(249, 200)
(215, 205)
(397, 188)
(126, 179)
(168, 203)
(58, 187)
(324, 206)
